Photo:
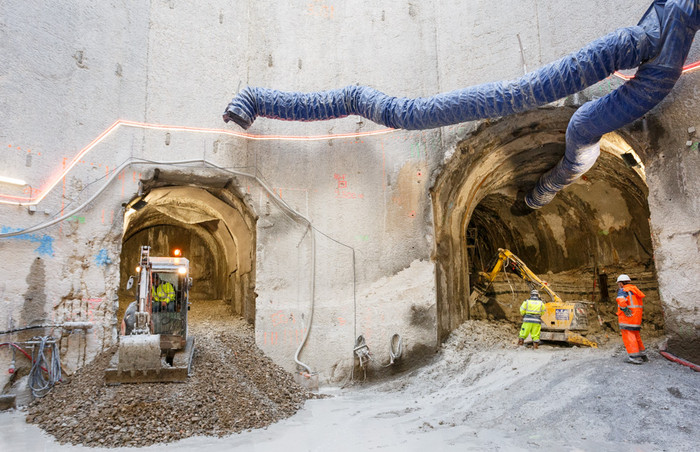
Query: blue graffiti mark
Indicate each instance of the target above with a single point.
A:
(103, 258)
(45, 241)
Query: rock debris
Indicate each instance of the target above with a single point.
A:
(234, 387)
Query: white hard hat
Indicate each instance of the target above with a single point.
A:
(623, 278)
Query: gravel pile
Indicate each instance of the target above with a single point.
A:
(234, 387)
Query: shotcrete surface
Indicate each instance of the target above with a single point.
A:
(480, 392)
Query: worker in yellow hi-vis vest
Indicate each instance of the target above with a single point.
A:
(163, 295)
(531, 310)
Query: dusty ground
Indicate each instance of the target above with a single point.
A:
(480, 393)
(556, 398)
(234, 388)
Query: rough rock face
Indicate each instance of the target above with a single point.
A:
(234, 387)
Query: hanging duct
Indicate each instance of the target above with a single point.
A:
(658, 45)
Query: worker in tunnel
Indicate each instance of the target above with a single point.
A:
(531, 310)
(163, 294)
(630, 305)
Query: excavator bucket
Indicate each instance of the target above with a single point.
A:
(154, 345)
(139, 360)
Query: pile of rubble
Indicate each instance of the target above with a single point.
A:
(479, 335)
(234, 387)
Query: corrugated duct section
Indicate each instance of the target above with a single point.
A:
(658, 45)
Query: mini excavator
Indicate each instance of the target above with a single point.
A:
(153, 341)
(561, 322)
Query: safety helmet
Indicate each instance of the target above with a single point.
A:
(623, 278)
(534, 293)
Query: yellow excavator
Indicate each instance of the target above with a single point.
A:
(153, 343)
(561, 322)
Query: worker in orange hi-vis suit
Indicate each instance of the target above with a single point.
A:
(630, 305)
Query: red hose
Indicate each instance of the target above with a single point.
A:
(25, 353)
(18, 348)
(676, 359)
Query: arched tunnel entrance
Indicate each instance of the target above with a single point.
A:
(214, 229)
(592, 231)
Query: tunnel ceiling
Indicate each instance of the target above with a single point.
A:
(216, 233)
(601, 219)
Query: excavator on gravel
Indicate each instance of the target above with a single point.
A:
(561, 322)
(153, 341)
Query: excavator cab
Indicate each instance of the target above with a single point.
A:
(154, 345)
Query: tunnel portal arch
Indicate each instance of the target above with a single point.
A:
(595, 227)
(215, 230)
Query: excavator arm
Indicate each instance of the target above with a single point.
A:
(518, 267)
(560, 317)
(512, 263)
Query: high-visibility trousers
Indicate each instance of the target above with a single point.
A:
(633, 343)
(533, 329)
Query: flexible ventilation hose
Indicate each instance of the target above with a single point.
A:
(659, 45)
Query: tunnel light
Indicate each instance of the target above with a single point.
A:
(12, 181)
(138, 269)
(177, 252)
(182, 270)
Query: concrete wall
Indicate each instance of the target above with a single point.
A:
(70, 70)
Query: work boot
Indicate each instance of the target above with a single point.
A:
(521, 342)
(634, 360)
(535, 345)
(645, 358)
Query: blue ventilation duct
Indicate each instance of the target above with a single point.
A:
(658, 45)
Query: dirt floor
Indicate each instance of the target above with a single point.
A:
(480, 392)
(234, 387)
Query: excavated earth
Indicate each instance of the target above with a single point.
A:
(234, 387)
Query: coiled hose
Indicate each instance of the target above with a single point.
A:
(659, 45)
(45, 371)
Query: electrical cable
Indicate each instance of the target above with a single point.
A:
(44, 372)
(395, 349)
(24, 328)
(505, 264)
(12, 344)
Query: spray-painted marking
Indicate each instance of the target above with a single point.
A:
(282, 336)
(398, 200)
(280, 318)
(102, 258)
(362, 238)
(92, 305)
(77, 219)
(418, 150)
(341, 190)
(320, 8)
(45, 241)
